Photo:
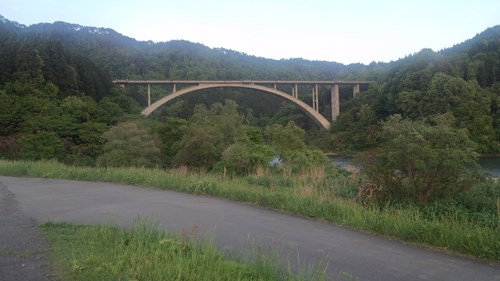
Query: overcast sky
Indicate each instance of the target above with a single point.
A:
(347, 31)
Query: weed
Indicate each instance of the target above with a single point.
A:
(468, 225)
(99, 252)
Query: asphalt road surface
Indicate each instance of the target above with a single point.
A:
(23, 251)
(235, 226)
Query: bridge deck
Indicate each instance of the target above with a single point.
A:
(242, 82)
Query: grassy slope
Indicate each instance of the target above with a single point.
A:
(86, 252)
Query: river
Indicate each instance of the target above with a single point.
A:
(490, 164)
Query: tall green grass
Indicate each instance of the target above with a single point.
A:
(99, 252)
(313, 195)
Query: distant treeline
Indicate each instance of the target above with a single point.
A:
(57, 98)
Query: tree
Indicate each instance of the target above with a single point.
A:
(12, 109)
(469, 104)
(130, 144)
(288, 141)
(41, 145)
(77, 108)
(170, 132)
(248, 153)
(88, 144)
(29, 65)
(197, 148)
(419, 162)
(210, 132)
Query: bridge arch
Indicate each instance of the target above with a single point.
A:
(309, 111)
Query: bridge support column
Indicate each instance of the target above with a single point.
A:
(335, 103)
(174, 89)
(149, 94)
(295, 91)
(355, 90)
(315, 98)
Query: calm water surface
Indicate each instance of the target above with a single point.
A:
(490, 164)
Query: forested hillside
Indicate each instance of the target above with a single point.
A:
(459, 84)
(57, 99)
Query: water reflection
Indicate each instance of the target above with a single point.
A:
(490, 164)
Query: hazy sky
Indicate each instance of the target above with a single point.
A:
(347, 31)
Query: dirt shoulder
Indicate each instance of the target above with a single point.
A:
(23, 250)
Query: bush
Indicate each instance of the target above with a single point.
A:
(244, 157)
(41, 145)
(130, 144)
(419, 162)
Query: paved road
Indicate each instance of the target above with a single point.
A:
(235, 224)
(23, 251)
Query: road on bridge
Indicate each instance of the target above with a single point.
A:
(234, 224)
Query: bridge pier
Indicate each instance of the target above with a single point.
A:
(295, 91)
(355, 90)
(315, 99)
(335, 101)
(149, 94)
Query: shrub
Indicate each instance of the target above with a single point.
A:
(130, 144)
(419, 162)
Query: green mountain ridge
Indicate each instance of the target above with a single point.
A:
(49, 71)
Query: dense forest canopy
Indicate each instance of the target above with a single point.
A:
(57, 99)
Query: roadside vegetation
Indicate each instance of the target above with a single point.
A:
(421, 184)
(468, 223)
(417, 130)
(87, 252)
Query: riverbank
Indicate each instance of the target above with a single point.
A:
(489, 163)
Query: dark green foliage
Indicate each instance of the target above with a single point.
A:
(419, 162)
(287, 139)
(216, 139)
(11, 113)
(9, 148)
(86, 145)
(41, 145)
(130, 144)
(29, 67)
(248, 153)
(48, 89)
(57, 78)
(170, 132)
(460, 81)
(469, 105)
(291, 149)
(210, 132)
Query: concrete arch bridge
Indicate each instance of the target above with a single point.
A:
(266, 86)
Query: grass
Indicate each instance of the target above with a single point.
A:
(310, 194)
(99, 252)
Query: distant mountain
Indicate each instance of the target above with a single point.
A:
(175, 59)
(488, 40)
(123, 57)
(82, 61)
